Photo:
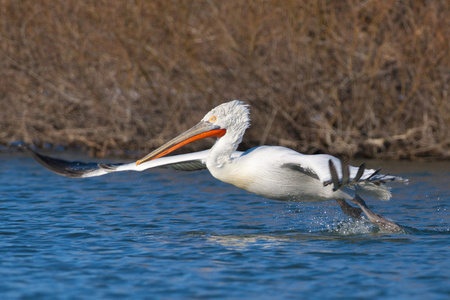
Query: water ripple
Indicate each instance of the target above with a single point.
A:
(165, 234)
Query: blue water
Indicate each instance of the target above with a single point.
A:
(174, 235)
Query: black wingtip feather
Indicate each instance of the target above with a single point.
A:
(359, 174)
(334, 176)
(74, 169)
(373, 174)
(345, 171)
(107, 167)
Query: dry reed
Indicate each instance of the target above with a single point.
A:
(354, 78)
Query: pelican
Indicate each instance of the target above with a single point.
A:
(272, 172)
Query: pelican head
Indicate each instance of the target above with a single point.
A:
(232, 116)
(229, 119)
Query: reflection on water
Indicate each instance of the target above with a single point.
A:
(234, 242)
(185, 235)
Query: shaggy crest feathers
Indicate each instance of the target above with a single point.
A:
(231, 114)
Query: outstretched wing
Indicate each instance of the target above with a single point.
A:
(76, 169)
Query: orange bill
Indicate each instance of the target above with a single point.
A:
(200, 131)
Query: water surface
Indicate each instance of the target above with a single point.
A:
(177, 235)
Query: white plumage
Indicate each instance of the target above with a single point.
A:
(270, 171)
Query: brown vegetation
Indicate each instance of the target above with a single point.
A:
(360, 78)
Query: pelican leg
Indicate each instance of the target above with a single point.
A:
(377, 219)
(352, 212)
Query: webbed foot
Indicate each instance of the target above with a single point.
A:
(349, 210)
(383, 223)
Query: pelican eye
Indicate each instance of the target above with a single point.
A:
(212, 119)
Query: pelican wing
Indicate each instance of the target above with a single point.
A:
(183, 162)
(331, 170)
(76, 169)
(67, 168)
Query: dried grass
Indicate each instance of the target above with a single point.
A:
(355, 78)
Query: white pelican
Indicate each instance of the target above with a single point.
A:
(269, 171)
